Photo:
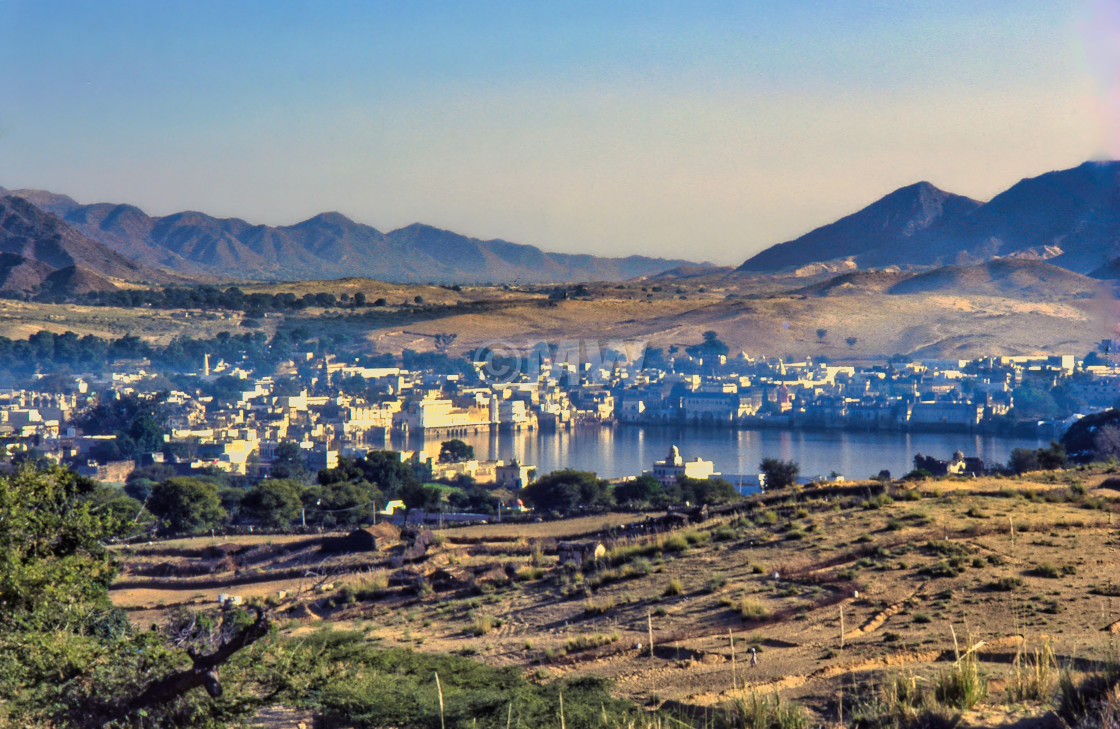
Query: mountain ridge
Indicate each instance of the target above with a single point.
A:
(1069, 217)
(42, 253)
(327, 245)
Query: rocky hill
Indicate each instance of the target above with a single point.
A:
(1070, 218)
(40, 253)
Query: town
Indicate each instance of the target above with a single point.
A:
(323, 407)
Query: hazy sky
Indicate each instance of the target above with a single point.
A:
(692, 129)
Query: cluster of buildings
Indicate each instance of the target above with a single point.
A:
(241, 433)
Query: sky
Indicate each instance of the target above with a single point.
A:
(699, 130)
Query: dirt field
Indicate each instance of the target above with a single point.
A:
(834, 589)
(761, 316)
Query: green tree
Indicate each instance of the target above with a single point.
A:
(342, 503)
(1023, 460)
(698, 491)
(53, 559)
(421, 496)
(1031, 402)
(274, 503)
(287, 462)
(567, 491)
(186, 506)
(455, 451)
(779, 474)
(67, 656)
(644, 489)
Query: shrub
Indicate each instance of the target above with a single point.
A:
(962, 686)
(748, 608)
(589, 641)
(1005, 584)
(1047, 570)
(756, 712)
(481, 625)
(592, 608)
(675, 587)
(1035, 678)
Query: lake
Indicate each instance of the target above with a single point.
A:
(626, 450)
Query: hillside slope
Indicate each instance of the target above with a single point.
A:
(40, 252)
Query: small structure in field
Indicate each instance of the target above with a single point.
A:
(376, 538)
(579, 553)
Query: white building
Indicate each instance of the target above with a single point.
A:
(673, 467)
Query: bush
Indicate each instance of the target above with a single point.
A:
(1035, 678)
(778, 474)
(748, 608)
(1005, 584)
(756, 712)
(962, 686)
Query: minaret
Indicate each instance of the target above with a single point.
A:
(206, 364)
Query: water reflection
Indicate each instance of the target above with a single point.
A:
(630, 449)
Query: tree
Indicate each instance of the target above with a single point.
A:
(1106, 444)
(186, 506)
(53, 559)
(778, 474)
(1023, 460)
(1080, 440)
(851, 341)
(342, 503)
(1032, 402)
(1042, 459)
(821, 334)
(698, 491)
(567, 491)
(360, 299)
(273, 503)
(71, 658)
(421, 496)
(287, 462)
(455, 451)
(1052, 458)
(712, 346)
(644, 489)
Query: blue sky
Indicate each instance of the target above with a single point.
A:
(702, 130)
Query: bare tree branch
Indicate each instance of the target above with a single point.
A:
(204, 672)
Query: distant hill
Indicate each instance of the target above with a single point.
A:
(1006, 277)
(904, 214)
(1070, 218)
(327, 246)
(1011, 278)
(40, 253)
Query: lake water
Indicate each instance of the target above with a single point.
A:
(627, 450)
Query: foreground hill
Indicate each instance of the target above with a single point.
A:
(1069, 217)
(41, 253)
(328, 245)
(828, 597)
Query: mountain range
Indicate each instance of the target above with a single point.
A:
(40, 253)
(326, 246)
(1070, 218)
